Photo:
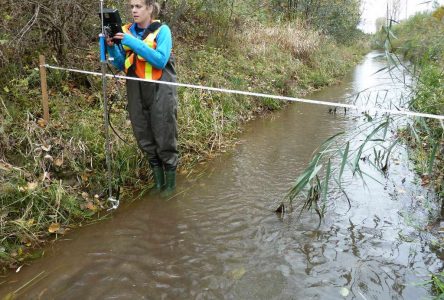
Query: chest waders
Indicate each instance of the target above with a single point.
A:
(152, 110)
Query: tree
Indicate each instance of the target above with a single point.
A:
(393, 10)
(338, 18)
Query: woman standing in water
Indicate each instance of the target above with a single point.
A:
(144, 52)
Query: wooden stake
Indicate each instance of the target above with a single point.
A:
(44, 88)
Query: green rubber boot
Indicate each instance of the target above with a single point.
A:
(170, 184)
(159, 180)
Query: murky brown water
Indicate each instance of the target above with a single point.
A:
(219, 238)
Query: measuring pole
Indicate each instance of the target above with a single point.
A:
(44, 86)
(114, 202)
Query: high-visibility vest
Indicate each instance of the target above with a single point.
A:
(142, 69)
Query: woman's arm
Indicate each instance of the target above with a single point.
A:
(158, 57)
(118, 54)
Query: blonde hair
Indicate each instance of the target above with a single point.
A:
(156, 8)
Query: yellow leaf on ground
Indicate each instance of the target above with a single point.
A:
(85, 177)
(42, 123)
(54, 227)
(58, 162)
(32, 186)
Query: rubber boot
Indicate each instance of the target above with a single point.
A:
(159, 180)
(170, 184)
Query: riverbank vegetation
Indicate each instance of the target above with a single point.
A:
(52, 175)
(414, 47)
(419, 40)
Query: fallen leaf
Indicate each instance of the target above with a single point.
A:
(58, 162)
(54, 227)
(238, 273)
(46, 148)
(42, 123)
(85, 177)
(31, 186)
(91, 206)
(48, 157)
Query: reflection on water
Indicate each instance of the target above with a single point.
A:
(219, 239)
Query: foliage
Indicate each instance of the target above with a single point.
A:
(338, 18)
(439, 13)
(43, 24)
(367, 144)
(429, 93)
(437, 282)
(420, 40)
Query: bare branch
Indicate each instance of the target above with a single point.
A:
(29, 25)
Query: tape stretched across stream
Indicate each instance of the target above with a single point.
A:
(261, 95)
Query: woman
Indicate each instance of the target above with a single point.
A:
(143, 50)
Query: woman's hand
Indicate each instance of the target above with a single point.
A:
(110, 40)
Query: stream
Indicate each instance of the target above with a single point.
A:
(219, 238)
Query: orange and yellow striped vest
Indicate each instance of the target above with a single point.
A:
(142, 68)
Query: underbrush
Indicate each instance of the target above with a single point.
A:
(419, 39)
(52, 176)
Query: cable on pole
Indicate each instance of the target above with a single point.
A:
(102, 38)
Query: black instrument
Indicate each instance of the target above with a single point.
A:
(112, 22)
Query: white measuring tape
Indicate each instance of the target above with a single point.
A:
(292, 99)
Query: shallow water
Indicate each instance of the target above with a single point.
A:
(220, 239)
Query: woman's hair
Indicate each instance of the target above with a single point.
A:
(156, 7)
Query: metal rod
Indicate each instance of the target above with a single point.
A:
(102, 38)
(44, 86)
